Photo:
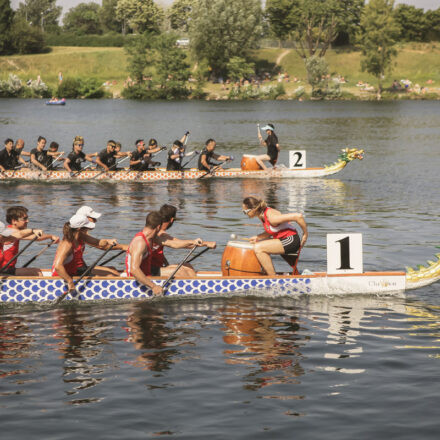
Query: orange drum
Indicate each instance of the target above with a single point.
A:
(239, 259)
(249, 163)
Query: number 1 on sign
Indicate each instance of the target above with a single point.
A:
(344, 253)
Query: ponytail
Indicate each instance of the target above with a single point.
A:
(258, 206)
(68, 233)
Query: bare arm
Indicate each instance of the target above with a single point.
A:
(177, 243)
(36, 163)
(66, 165)
(276, 218)
(102, 164)
(260, 237)
(137, 250)
(103, 244)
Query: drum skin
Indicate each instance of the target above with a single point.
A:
(249, 163)
(240, 259)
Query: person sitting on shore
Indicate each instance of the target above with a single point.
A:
(77, 156)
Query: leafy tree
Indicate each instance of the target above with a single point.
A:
(139, 54)
(377, 39)
(27, 38)
(139, 15)
(83, 19)
(433, 24)
(280, 14)
(349, 21)
(6, 17)
(179, 15)
(43, 13)
(108, 16)
(222, 29)
(238, 68)
(412, 21)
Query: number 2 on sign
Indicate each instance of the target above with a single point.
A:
(297, 159)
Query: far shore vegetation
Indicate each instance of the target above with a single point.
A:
(293, 49)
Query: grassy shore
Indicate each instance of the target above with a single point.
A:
(418, 62)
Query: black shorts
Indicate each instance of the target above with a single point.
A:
(8, 271)
(80, 271)
(155, 271)
(291, 244)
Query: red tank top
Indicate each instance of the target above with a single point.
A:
(158, 258)
(146, 258)
(73, 261)
(8, 251)
(278, 232)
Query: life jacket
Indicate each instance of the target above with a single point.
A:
(278, 232)
(146, 258)
(73, 261)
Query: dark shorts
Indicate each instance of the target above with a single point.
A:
(155, 271)
(8, 271)
(80, 271)
(291, 244)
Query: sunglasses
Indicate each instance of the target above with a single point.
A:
(247, 211)
(23, 219)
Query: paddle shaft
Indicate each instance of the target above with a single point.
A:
(39, 253)
(213, 170)
(16, 256)
(193, 156)
(80, 171)
(89, 269)
(114, 165)
(198, 254)
(167, 282)
(112, 258)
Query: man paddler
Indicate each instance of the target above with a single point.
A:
(207, 155)
(106, 159)
(77, 156)
(40, 158)
(19, 152)
(17, 219)
(159, 264)
(7, 156)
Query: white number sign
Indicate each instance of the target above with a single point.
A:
(297, 159)
(344, 253)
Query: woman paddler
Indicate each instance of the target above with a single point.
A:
(273, 147)
(279, 236)
(69, 260)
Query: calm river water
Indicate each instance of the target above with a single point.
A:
(307, 368)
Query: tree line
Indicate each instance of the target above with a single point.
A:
(223, 33)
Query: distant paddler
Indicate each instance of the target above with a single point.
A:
(69, 260)
(7, 156)
(273, 147)
(19, 152)
(280, 236)
(159, 264)
(17, 219)
(77, 156)
(177, 153)
(207, 155)
(106, 159)
(41, 158)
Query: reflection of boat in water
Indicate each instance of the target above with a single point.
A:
(347, 156)
(231, 281)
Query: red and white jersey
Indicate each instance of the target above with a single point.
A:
(73, 261)
(278, 232)
(9, 251)
(146, 258)
(158, 257)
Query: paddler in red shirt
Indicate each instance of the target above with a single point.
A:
(279, 237)
(17, 219)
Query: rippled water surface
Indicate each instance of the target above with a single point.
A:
(246, 367)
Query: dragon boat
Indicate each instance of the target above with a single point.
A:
(247, 170)
(235, 278)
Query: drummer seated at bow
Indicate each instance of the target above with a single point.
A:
(207, 155)
(76, 157)
(273, 148)
(106, 159)
(41, 158)
(69, 261)
(279, 236)
(159, 264)
(17, 219)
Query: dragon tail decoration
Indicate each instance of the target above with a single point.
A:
(347, 155)
(423, 276)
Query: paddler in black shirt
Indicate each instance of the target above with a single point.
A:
(207, 154)
(7, 156)
(76, 157)
(139, 157)
(106, 158)
(19, 152)
(39, 159)
(272, 145)
(177, 153)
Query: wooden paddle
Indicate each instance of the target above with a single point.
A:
(198, 254)
(213, 170)
(39, 253)
(14, 258)
(168, 281)
(83, 169)
(112, 258)
(89, 269)
(195, 153)
(114, 165)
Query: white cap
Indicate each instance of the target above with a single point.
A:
(88, 212)
(268, 127)
(80, 221)
(6, 232)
